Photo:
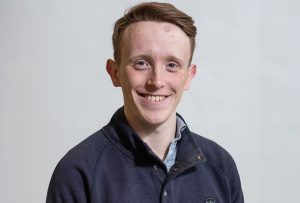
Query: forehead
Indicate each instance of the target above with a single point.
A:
(159, 37)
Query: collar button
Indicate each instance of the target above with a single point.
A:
(155, 167)
(199, 156)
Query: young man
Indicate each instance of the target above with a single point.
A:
(146, 153)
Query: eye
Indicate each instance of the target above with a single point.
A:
(172, 66)
(141, 64)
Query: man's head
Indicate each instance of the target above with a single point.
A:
(152, 62)
(153, 11)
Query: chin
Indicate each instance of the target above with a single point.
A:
(155, 118)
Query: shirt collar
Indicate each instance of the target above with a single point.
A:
(180, 126)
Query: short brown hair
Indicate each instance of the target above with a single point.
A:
(153, 11)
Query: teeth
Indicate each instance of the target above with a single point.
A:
(155, 98)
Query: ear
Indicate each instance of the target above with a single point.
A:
(192, 69)
(112, 69)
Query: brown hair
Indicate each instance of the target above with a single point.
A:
(153, 11)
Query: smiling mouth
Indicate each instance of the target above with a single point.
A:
(154, 98)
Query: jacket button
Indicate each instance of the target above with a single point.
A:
(165, 193)
(155, 167)
(199, 156)
(175, 168)
(210, 200)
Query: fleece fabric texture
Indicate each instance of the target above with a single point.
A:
(114, 165)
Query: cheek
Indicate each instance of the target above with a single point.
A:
(131, 79)
(180, 82)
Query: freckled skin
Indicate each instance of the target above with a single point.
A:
(157, 43)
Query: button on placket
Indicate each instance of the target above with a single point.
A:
(165, 193)
(155, 167)
(175, 168)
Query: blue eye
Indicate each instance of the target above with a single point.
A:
(141, 64)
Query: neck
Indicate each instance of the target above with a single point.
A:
(158, 137)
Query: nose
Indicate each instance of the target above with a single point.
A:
(156, 80)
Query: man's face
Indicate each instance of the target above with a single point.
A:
(153, 71)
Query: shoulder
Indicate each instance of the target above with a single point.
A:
(212, 150)
(80, 162)
(215, 154)
(222, 162)
(87, 151)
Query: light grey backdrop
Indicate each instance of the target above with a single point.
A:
(55, 91)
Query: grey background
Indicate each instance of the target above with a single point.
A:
(55, 91)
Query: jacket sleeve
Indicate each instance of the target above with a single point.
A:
(68, 184)
(235, 183)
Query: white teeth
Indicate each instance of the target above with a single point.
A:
(155, 98)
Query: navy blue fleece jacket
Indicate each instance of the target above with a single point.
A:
(115, 165)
